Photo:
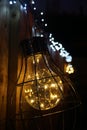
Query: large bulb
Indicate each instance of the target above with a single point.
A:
(42, 88)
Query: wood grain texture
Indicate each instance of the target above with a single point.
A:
(4, 14)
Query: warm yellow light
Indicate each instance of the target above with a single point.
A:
(32, 101)
(37, 60)
(29, 77)
(52, 85)
(42, 105)
(69, 69)
(43, 91)
(53, 96)
(46, 87)
(27, 91)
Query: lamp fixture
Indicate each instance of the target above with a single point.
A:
(43, 86)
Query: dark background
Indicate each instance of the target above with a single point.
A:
(67, 20)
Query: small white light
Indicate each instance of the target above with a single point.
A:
(21, 7)
(42, 35)
(34, 8)
(32, 2)
(69, 58)
(42, 20)
(41, 13)
(10, 2)
(54, 43)
(50, 35)
(51, 46)
(52, 38)
(25, 5)
(14, 2)
(45, 24)
(63, 52)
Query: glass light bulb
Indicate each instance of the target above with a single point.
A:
(42, 86)
(42, 89)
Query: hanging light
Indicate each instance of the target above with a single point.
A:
(43, 86)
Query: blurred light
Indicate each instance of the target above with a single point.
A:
(21, 7)
(32, 2)
(41, 13)
(14, 2)
(69, 69)
(34, 8)
(10, 2)
(45, 24)
(25, 5)
(42, 35)
(50, 35)
(58, 47)
(42, 20)
(69, 58)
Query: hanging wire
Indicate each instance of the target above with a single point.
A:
(20, 98)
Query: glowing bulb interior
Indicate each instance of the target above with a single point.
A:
(43, 91)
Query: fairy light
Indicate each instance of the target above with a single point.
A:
(42, 20)
(42, 35)
(41, 13)
(56, 46)
(34, 8)
(69, 69)
(45, 24)
(25, 7)
(32, 2)
(12, 2)
(68, 58)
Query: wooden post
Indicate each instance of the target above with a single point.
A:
(4, 18)
(9, 42)
(14, 17)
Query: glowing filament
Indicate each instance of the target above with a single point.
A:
(53, 96)
(42, 91)
(42, 105)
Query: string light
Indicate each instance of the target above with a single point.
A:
(42, 20)
(12, 2)
(32, 2)
(41, 13)
(56, 46)
(34, 8)
(45, 24)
